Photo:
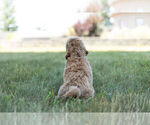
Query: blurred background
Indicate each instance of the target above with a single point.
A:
(45, 25)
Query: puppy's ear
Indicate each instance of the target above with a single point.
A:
(67, 55)
(86, 52)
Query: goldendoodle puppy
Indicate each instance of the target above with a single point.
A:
(78, 79)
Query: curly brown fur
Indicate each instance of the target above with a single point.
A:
(78, 79)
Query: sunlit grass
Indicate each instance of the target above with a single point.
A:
(30, 82)
(90, 48)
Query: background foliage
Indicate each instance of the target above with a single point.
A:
(7, 18)
(97, 21)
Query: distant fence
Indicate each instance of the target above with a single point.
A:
(58, 44)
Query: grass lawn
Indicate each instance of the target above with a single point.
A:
(29, 82)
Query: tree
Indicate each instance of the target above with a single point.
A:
(97, 21)
(7, 20)
(105, 12)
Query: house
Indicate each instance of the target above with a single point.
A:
(130, 13)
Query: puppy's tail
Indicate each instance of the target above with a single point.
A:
(73, 92)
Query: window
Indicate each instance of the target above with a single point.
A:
(140, 10)
(139, 21)
(122, 24)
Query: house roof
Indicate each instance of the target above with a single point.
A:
(128, 13)
(113, 2)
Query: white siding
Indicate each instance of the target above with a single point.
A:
(131, 13)
(132, 6)
(131, 20)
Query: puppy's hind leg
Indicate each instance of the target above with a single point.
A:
(87, 92)
(73, 92)
(62, 90)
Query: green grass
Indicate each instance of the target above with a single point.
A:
(29, 82)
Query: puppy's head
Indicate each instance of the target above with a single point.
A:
(75, 48)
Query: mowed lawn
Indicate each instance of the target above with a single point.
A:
(29, 82)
